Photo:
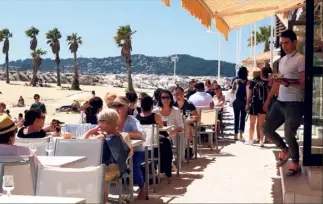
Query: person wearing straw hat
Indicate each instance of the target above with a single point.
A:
(8, 132)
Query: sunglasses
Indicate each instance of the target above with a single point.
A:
(117, 106)
(36, 98)
(165, 98)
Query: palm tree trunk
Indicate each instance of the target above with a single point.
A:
(75, 83)
(7, 68)
(36, 67)
(57, 60)
(130, 85)
(267, 46)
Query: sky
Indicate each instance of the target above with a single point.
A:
(161, 30)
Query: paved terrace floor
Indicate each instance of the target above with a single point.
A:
(238, 174)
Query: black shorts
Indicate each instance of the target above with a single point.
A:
(256, 108)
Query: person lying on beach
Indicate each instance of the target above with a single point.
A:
(34, 122)
(75, 107)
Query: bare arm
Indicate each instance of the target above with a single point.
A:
(159, 120)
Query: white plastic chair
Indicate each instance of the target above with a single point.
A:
(23, 170)
(152, 142)
(92, 149)
(208, 119)
(85, 183)
(40, 144)
(78, 129)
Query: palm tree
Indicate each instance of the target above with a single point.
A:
(5, 35)
(74, 41)
(36, 55)
(263, 36)
(32, 33)
(53, 37)
(123, 40)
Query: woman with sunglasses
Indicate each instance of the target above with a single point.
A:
(132, 127)
(171, 116)
(33, 125)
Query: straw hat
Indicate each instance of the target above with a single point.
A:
(6, 124)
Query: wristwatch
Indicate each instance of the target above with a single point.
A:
(287, 85)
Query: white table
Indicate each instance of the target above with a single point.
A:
(60, 161)
(38, 199)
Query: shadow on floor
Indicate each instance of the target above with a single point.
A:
(276, 190)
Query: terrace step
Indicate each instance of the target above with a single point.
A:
(296, 189)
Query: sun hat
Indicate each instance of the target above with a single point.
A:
(6, 124)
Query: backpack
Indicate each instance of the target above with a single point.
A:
(260, 91)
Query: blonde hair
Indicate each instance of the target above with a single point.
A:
(256, 73)
(111, 96)
(110, 116)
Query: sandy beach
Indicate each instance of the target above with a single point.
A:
(53, 97)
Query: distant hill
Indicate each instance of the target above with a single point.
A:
(187, 65)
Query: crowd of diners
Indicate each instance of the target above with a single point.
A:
(118, 114)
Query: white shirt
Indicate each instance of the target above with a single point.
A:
(201, 99)
(290, 67)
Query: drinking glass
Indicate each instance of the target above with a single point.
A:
(8, 184)
(32, 147)
(49, 147)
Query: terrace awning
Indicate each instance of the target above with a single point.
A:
(233, 14)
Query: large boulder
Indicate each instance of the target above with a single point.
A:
(23, 76)
(85, 80)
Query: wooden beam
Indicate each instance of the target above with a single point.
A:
(254, 10)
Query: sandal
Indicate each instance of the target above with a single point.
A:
(283, 158)
(294, 170)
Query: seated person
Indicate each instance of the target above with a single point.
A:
(109, 97)
(54, 127)
(146, 115)
(8, 132)
(132, 97)
(34, 122)
(20, 121)
(219, 102)
(21, 102)
(132, 127)
(115, 150)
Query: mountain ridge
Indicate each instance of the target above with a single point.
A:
(187, 65)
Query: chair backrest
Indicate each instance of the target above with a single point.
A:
(22, 168)
(92, 149)
(85, 183)
(78, 129)
(208, 117)
(40, 144)
(151, 135)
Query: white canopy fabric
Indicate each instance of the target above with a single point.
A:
(234, 14)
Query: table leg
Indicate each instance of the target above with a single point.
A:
(131, 180)
(178, 153)
(146, 172)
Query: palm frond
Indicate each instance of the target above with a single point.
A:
(32, 32)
